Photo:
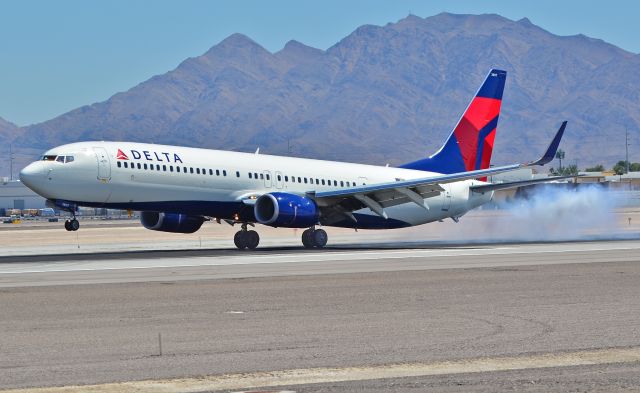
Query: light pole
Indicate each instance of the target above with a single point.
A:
(560, 157)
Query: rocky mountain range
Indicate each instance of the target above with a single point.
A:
(383, 94)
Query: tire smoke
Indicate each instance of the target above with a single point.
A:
(556, 213)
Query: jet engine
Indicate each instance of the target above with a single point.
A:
(171, 222)
(280, 209)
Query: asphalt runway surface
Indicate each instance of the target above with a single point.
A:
(400, 317)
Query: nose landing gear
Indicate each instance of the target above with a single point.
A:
(246, 239)
(72, 224)
(314, 238)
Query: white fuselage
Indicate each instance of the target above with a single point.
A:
(151, 177)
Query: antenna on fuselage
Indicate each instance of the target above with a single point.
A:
(257, 151)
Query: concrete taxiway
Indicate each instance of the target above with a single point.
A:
(401, 317)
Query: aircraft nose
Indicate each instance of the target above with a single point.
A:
(32, 174)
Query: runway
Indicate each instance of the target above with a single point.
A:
(218, 264)
(473, 311)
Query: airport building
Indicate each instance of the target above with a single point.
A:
(15, 195)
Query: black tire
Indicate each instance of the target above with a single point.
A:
(320, 238)
(74, 225)
(252, 239)
(67, 225)
(307, 238)
(239, 239)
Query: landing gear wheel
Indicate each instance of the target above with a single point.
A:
(307, 238)
(314, 238)
(239, 239)
(252, 239)
(320, 238)
(72, 225)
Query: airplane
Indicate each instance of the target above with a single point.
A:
(177, 189)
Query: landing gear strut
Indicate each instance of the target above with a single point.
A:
(314, 238)
(72, 224)
(246, 239)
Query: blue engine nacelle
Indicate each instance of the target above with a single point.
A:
(279, 209)
(171, 222)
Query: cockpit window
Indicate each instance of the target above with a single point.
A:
(61, 159)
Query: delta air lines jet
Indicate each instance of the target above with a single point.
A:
(176, 189)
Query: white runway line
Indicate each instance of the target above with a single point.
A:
(245, 258)
(346, 374)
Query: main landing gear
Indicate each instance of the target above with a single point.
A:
(246, 239)
(314, 238)
(72, 224)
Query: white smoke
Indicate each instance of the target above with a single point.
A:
(549, 213)
(557, 213)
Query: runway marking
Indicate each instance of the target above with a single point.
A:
(124, 264)
(346, 374)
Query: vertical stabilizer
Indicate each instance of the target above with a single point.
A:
(470, 144)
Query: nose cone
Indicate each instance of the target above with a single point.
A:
(32, 175)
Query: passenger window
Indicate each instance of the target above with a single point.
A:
(335, 183)
(119, 164)
(268, 177)
(157, 167)
(250, 175)
(198, 171)
(293, 179)
(279, 178)
(125, 164)
(237, 174)
(224, 172)
(170, 168)
(305, 180)
(145, 166)
(317, 181)
(217, 172)
(299, 179)
(262, 176)
(341, 183)
(139, 166)
(323, 182)
(286, 178)
(191, 170)
(164, 168)
(210, 172)
(255, 175)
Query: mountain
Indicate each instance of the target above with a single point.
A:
(383, 94)
(8, 131)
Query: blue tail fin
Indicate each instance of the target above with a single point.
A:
(470, 144)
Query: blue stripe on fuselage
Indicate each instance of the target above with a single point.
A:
(227, 210)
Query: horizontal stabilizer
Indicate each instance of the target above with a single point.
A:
(514, 184)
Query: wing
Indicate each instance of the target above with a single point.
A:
(379, 196)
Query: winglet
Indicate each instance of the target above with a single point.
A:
(550, 154)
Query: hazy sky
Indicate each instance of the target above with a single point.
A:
(58, 55)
